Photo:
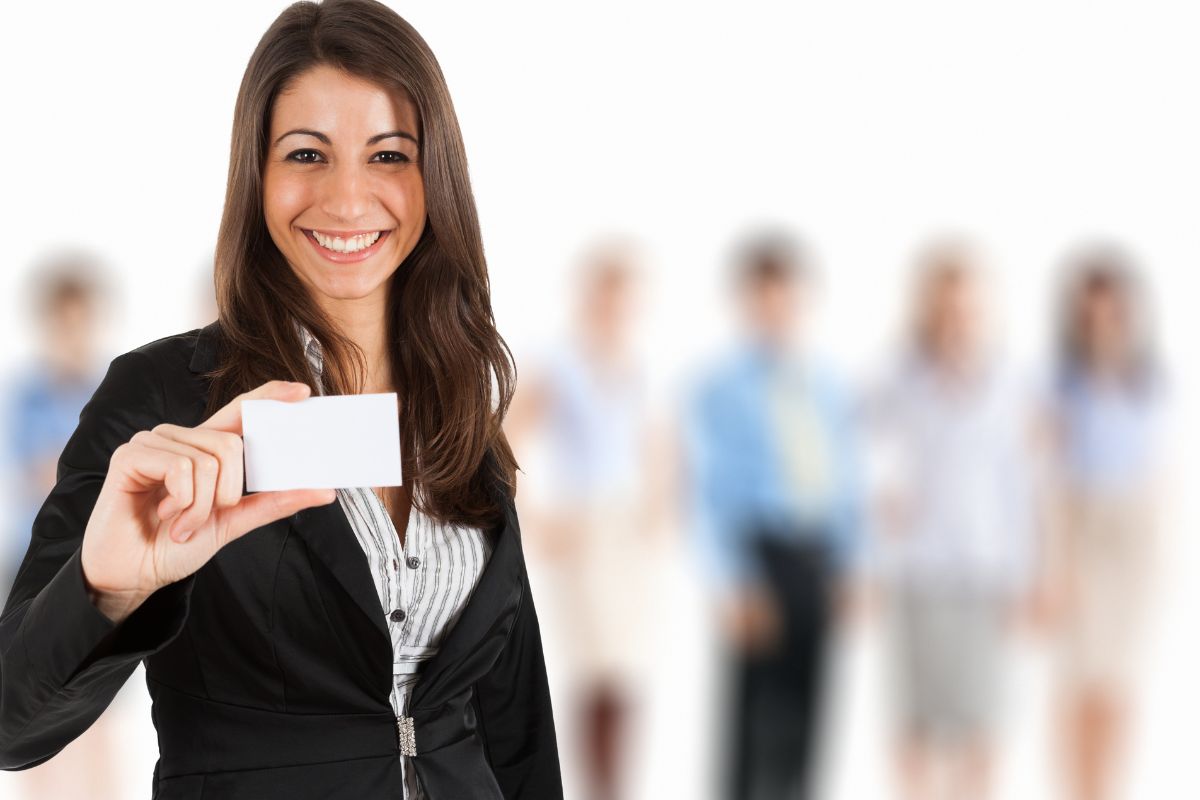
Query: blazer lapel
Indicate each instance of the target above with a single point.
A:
(327, 532)
(492, 604)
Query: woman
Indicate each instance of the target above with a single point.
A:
(386, 645)
(958, 554)
(589, 404)
(1107, 409)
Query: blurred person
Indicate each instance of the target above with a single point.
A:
(586, 398)
(958, 527)
(1106, 415)
(43, 398)
(315, 641)
(775, 497)
(67, 298)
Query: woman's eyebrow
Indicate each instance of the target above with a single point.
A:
(376, 138)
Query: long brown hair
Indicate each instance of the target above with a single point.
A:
(444, 347)
(1106, 268)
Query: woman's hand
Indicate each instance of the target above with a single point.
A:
(752, 619)
(172, 498)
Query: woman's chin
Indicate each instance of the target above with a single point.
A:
(349, 287)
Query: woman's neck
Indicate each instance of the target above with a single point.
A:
(368, 330)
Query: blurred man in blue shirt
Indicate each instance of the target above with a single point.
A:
(68, 298)
(775, 498)
(41, 399)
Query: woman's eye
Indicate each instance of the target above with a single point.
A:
(393, 157)
(296, 156)
(309, 156)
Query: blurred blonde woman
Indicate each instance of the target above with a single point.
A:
(586, 400)
(958, 545)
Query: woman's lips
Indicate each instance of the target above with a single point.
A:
(346, 258)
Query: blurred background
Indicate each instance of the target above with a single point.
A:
(854, 418)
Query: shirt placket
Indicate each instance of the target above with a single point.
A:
(403, 560)
(399, 587)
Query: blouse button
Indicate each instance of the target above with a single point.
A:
(395, 564)
(397, 615)
(413, 562)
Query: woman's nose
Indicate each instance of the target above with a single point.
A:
(346, 193)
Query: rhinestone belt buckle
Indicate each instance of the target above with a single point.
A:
(408, 735)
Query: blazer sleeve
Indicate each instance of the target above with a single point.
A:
(62, 661)
(515, 712)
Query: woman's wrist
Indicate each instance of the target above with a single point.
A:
(114, 605)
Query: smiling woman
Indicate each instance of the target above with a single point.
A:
(338, 136)
(344, 150)
(385, 645)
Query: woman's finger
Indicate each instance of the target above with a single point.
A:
(229, 417)
(226, 447)
(147, 467)
(202, 470)
(174, 502)
(263, 508)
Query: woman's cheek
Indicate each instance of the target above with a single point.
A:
(286, 198)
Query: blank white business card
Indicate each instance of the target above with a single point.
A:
(324, 442)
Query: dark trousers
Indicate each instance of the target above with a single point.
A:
(776, 694)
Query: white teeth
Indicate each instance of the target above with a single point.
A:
(351, 245)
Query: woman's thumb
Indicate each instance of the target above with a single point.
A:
(263, 508)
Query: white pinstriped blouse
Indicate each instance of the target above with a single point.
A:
(423, 585)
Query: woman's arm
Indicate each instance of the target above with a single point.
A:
(515, 712)
(61, 659)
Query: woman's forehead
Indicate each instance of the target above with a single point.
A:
(340, 104)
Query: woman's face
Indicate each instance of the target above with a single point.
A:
(1102, 322)
(342, 190)
(955, 315)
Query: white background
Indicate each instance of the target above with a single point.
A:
(865, 125)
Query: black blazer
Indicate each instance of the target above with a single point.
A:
(270, 667)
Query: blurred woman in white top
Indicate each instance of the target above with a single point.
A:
(957, 548)
(599, 502)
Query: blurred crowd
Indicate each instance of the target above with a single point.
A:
(950, 503)
(950, 500)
